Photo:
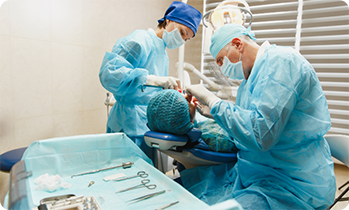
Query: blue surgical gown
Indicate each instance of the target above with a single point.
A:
(278, 123)
(123, 72)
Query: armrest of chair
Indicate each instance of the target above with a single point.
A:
(10, 158)
(164, 141)
(339, 146)
(214, 156)
(190, 157)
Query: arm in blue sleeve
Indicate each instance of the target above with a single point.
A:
(259, 126)
(119, 72)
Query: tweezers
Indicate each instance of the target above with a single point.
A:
(164, 207)
(144, 197)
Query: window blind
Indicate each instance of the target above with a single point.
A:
(319, 30)
(324, 43)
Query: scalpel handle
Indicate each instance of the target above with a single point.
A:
(124, 165)
(88, 172)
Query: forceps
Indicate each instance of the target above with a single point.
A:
(144, 184)
(165, 207)
(140, 174)
(145, 197)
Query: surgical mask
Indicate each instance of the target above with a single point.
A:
(173, 39)
(232, 70)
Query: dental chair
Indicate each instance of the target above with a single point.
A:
(9, 158)
(188, 149)
(339, 146)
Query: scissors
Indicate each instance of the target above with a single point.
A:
(144, 184)
(140, 174)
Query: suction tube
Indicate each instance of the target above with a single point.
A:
(190, 68)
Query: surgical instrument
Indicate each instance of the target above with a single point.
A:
(140, 174)
(74, 202)
(124, 165)
(171, 204)
(59, 201)
(144, 182)
(154, 86)
(144, 197)
(55, 198)
(91, 183)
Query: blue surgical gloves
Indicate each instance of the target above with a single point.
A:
(203, 95)
(165, 82)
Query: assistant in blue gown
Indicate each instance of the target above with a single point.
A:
(125, 69)
(278, 123)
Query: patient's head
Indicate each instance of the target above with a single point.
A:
(168, 111)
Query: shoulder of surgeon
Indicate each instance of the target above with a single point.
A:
(282, 63)
(142, 38)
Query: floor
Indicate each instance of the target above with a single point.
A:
(341, 171)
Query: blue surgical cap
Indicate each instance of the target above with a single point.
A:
(225, 34)
(168, 112)
(183, 13)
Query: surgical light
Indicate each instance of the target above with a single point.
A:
(230, 11)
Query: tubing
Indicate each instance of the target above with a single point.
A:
(190, 68)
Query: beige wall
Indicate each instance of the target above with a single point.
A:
(51, 52)
(50, 55)
(193, 47)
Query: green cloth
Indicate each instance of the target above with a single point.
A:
(215, 137)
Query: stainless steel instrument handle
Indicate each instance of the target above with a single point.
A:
(124, 165)
(171, 204)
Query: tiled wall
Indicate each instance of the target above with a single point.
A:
(50, 56)
(51, 52)
(193, 49)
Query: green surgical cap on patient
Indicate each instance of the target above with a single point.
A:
(225, 34)
(168, 112)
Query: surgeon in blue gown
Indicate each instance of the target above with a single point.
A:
(278, 122)
(141, 58)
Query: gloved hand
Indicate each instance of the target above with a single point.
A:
(202, 94)
(165, 82)
(204, 110)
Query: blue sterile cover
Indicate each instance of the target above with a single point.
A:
(67, 156)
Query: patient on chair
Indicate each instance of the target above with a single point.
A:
(169, 111)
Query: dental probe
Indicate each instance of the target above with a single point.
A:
(124, 165)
